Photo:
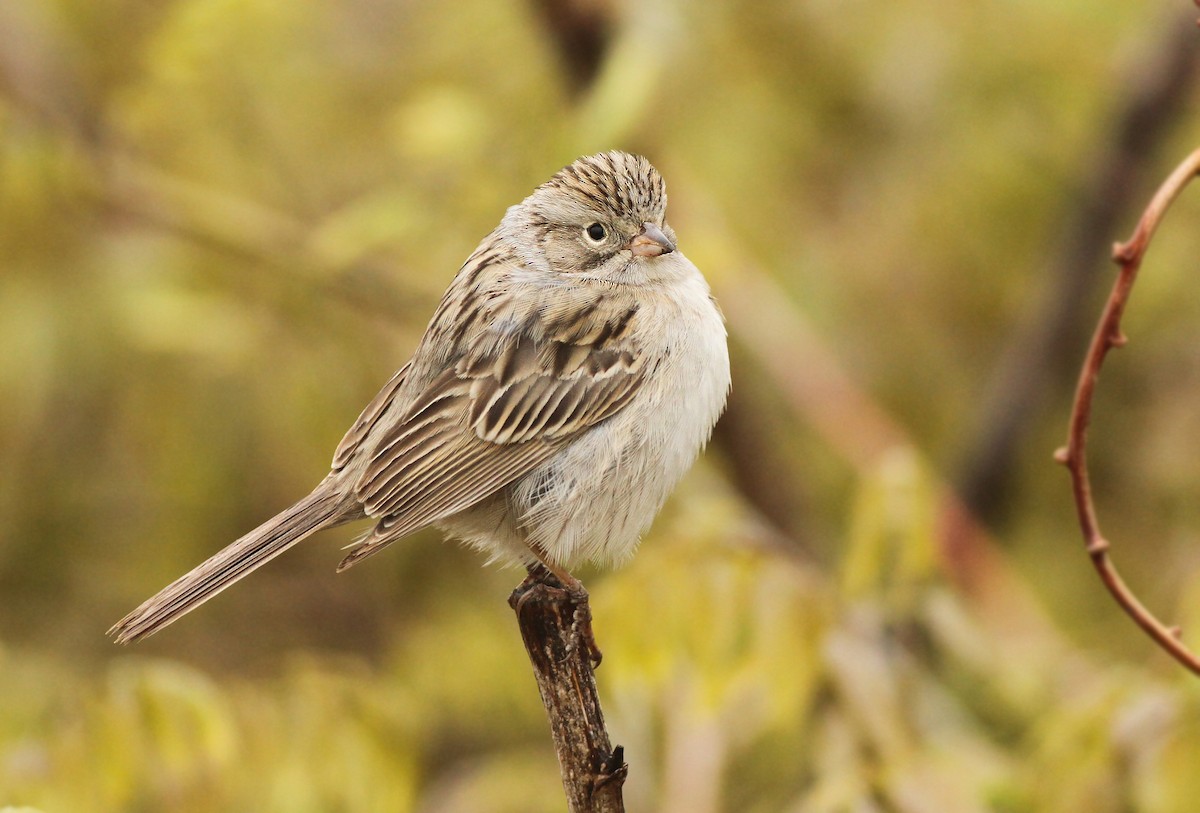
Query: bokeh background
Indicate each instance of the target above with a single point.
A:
(224, 223)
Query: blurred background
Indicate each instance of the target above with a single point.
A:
(225, 223)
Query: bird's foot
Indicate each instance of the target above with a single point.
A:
(561, 588)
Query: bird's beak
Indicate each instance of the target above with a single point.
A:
(651, 242)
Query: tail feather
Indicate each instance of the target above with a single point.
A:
(320, 509)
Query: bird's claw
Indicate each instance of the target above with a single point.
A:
(546, 585)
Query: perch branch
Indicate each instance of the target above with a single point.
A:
(1128, 256)
(593, 772)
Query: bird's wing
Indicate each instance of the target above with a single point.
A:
(362, 426)
(485, 422)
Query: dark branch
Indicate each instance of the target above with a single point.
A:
(593, 772)
(1043, 350)
(581, 31)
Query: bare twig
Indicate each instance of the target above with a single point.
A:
(593, 773)
(1074, 455)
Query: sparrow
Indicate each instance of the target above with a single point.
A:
(569, 377)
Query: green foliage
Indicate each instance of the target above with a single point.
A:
(732, 672)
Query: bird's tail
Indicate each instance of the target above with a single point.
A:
(320, 509)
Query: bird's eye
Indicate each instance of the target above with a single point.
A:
(596, 232)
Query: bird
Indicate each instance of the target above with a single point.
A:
(569, 377)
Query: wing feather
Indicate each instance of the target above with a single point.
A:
(361, 427)
(487, 421)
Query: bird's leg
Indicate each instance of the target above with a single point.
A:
(581, 617)
(536, 573)
(551, 578)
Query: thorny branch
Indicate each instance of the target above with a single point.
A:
(1128, 256)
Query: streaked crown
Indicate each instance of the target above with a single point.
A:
(627, 185)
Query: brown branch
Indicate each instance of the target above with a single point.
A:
(1074, 455)
(550, 617)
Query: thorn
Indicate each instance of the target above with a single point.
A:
(1098, 545)
(1176, 632)
(1118, 339)
(611, 768)
(1063, 454)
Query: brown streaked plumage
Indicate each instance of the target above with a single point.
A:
(569, 376)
